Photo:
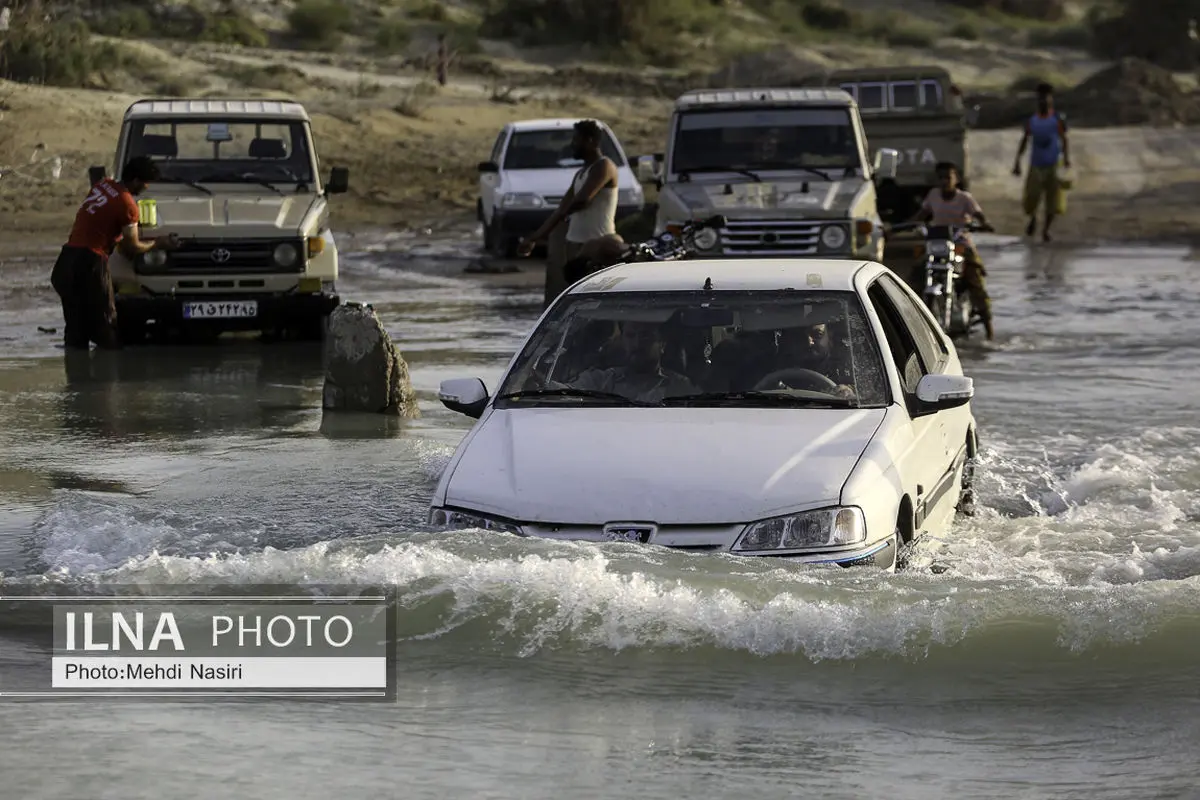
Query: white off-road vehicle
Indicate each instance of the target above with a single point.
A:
(241, 187)
(788, 169)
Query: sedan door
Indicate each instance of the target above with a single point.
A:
(490, 182)
(921, 455)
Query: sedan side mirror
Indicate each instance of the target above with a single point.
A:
(467, 396)
(489, 166)
(941, 392)
(339, 181)
(887, 162)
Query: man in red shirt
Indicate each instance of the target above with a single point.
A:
(107, 218)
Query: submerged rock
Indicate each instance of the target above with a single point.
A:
(364, 370)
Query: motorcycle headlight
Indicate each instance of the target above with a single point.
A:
(522, 200)
(705, 239)
(285, 254)
(833, 237)
(452, 519)
(154, 258)
(825, 527)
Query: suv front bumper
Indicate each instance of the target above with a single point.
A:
(272, 308)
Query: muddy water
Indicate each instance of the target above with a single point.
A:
(1054, 658)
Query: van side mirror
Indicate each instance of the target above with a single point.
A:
(95, 175)
(339, 181)
(467, 396)
(489, 166)
(887, 162)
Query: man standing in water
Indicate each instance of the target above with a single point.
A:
(1048, 131)
(591, 205)
(107, 218)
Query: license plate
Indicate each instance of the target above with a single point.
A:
(220, 309)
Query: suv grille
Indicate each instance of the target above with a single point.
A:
(770, 237)
(215, 257)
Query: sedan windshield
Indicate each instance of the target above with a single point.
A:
(755, 348)
(766, 139)
(190, 150)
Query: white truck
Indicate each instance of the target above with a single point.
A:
(241, 187)
(787, 168)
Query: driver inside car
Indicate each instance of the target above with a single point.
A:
(643, 376)
(813, 348)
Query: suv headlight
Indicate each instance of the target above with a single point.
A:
(453, 519)
(285, 254)
(522, 200)
(825, 527)
(705, 239)
(833, 237)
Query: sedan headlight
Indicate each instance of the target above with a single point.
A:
(825, 527)
(453, 519)
(705, 239)
(522, 200)
(285, 255)
(833, 237)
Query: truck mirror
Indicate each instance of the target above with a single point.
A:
(95, 175)
(887, 162)
(647, 169)
(339, 181)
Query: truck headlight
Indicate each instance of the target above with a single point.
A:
(705, 239)
(522, 200)
(154, 258)
(833, 237)
(453, 519)
(285, 254)
(825, 527)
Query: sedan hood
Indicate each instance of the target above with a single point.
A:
(590, 466)
(243, 214)
(794, 197)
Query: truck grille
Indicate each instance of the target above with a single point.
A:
(215, 257)
(770, 237)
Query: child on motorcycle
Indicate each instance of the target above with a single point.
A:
(950, 205)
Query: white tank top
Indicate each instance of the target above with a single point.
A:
(599, 218)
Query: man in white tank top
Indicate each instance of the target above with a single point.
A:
(590, 205)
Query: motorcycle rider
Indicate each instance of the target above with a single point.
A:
(950, 205)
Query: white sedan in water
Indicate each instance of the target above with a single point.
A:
(795, 407)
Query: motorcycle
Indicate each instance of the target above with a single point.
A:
(677, 242)
(942, 286)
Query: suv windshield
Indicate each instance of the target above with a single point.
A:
(224, 151)
(754, 348)
(551, 149)
(767, 138)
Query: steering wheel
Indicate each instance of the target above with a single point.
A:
(809, 379)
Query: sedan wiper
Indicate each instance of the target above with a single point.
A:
(591, 394)
(683, 173)
(758, 398)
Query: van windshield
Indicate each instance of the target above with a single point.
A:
(551, 149)
(224, 150)
(767, 138)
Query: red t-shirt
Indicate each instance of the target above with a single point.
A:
(108, 209)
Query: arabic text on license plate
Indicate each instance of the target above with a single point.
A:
(220, 309)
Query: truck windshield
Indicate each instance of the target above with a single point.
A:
(551, 149)
(224, 151)
(765, 138)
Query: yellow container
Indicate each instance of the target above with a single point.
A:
(148, 213)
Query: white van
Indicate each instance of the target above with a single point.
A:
(529, 171)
